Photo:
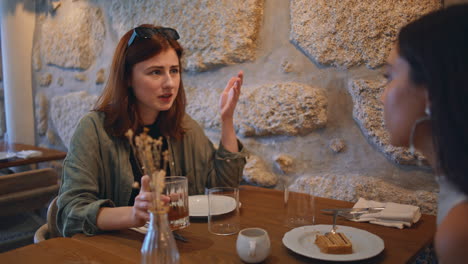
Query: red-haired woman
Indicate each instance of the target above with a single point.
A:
(144, 90)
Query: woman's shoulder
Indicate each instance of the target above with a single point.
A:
(94, 116)
(194, 134)
(449, 197)
(190, 125)
(90, 124)
(451, 239)
(93, 119)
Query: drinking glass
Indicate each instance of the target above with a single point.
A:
(223, 210)
(7, 145)
(176, 187)
(7, 152)
(299, 206)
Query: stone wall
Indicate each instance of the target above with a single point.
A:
(308, 109)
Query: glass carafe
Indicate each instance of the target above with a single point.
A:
(159, 245)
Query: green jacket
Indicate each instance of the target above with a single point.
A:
(97, 171)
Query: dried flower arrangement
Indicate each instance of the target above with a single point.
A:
(154, 161)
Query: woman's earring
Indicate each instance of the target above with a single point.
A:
(427, 117)
(427, 111)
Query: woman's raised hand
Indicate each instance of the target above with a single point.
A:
(230, 96)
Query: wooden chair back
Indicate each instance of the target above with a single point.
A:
(27, 191)
(52, 219)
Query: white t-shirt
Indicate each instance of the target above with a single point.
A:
(449, 197)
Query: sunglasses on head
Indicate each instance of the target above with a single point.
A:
(145, 32)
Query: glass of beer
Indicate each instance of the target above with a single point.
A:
(176, 189)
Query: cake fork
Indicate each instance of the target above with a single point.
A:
(333, 230)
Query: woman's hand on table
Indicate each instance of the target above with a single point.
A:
(143, 203)
(116, 218)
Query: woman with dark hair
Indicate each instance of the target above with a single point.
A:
(426, 108)
(101, 175)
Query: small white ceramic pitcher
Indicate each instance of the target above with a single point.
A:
(253, 245)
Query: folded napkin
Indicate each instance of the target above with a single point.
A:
(393, 214)
(24, 154)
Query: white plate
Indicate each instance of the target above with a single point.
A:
(6, 155)
(198, 205)
(302, 241)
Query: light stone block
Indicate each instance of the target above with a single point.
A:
(42, 107)
(282, 109)
(100, 76)
(82, 77)
(368, 114)
(284, 163)
(52, 138)
(346, 33)
(286, 66)
(36, 57)
(337, 145)
(213, 33)
(256, 172)
(72, 38)
(67, 110)
(45, 80)
(270, 109)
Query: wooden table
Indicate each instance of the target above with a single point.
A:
(47, 155)
(264, 208)
(60, 250)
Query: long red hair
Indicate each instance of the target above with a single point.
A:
(118, 101)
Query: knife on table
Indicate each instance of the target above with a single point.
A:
(179, 237)
(353, 210)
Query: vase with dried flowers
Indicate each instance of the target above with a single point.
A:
(159, 245)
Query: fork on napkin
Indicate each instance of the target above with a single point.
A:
(393, 215)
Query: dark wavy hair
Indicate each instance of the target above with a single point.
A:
(118, 100)
(436, 48)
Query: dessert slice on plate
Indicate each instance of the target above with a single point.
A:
(336, 243)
